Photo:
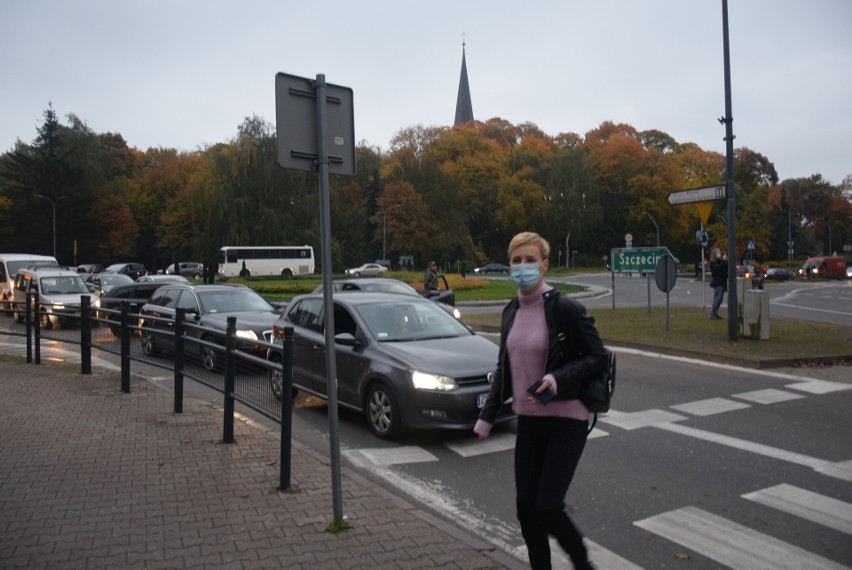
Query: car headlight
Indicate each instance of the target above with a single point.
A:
(249, 334)
(424, 381)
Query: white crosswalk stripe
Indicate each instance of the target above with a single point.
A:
(732, 544)
(805, 504)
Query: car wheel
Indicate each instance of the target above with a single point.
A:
(287, 273)
(276, 378)
(148, 346)
(44, 320)
(114, 328)
(209, 358)
(383, 415)
(357, 274)
(197, 276)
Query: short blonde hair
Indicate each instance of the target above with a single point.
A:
(533, 238)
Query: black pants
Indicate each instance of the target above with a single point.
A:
(547, 451)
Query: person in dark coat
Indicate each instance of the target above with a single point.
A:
(718, 280)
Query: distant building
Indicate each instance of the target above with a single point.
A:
(464, 108)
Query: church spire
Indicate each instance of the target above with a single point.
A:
(464, 108)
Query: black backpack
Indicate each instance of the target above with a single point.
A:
(597, 391)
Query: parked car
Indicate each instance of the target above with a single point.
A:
(90, 268)
(208, 306)
(446, 297)
(136, 294)
(59, 295)
(367, 270)
(101, 283)
(192, 269)
(750, 273)
(492, 268)
(162, 279)
(401, 361)
(134, 270)
(779, 274)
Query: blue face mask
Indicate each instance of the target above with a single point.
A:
(526, 275)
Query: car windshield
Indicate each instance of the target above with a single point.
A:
(233, 301)
(383, 287)
(403, 322)
(62, 285)
(115, 279)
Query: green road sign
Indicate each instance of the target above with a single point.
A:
(637, 258)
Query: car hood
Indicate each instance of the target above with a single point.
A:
(255, 320)
(72, 300)
(458, 357)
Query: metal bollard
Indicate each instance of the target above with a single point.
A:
(180, 315)
(125, 347)
(286, 408)
(230, 346)
(85, 335)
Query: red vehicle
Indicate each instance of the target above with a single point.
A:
(824, 267)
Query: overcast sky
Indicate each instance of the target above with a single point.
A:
(185, 74)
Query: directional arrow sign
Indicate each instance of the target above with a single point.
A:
(706, 194)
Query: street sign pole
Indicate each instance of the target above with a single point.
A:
(328, 306)
(732, 210)
(306, 126)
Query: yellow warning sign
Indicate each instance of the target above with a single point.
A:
(704, 209)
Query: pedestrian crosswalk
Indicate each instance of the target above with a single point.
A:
(730, 543)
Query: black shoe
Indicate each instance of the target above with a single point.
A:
(716, 317)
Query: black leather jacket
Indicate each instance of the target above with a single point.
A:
(580, 356)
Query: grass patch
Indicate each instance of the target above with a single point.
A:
(691, 331)
(466, 289)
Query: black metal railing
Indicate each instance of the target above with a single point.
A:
(257, 374)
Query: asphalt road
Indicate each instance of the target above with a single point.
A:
(664, 474)
(720, 466)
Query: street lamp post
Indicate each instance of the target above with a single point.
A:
(656, 226)
(384, 226)
(53, 205)
(829, 235)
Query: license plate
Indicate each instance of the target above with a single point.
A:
(481, 399)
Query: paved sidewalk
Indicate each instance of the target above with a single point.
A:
(94, 478)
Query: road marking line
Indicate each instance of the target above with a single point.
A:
(768, 396)
(745, 445)
(710, 407)
(805, 504)
(646, 418)
(473, 447)
(730, 543)
(388, 456)
(840, 470)
(819, 386)
(812, 308)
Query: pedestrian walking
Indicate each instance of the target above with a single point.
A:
(718, 280)
(548, 347)
(430, 279)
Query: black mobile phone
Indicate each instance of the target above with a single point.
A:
(542, 398)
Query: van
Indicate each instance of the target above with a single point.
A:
(192, 269)
(59, 295)
(824, 267)
(10, 263)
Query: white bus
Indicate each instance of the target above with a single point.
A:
(257, 261)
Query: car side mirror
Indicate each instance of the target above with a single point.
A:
(346, 339)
